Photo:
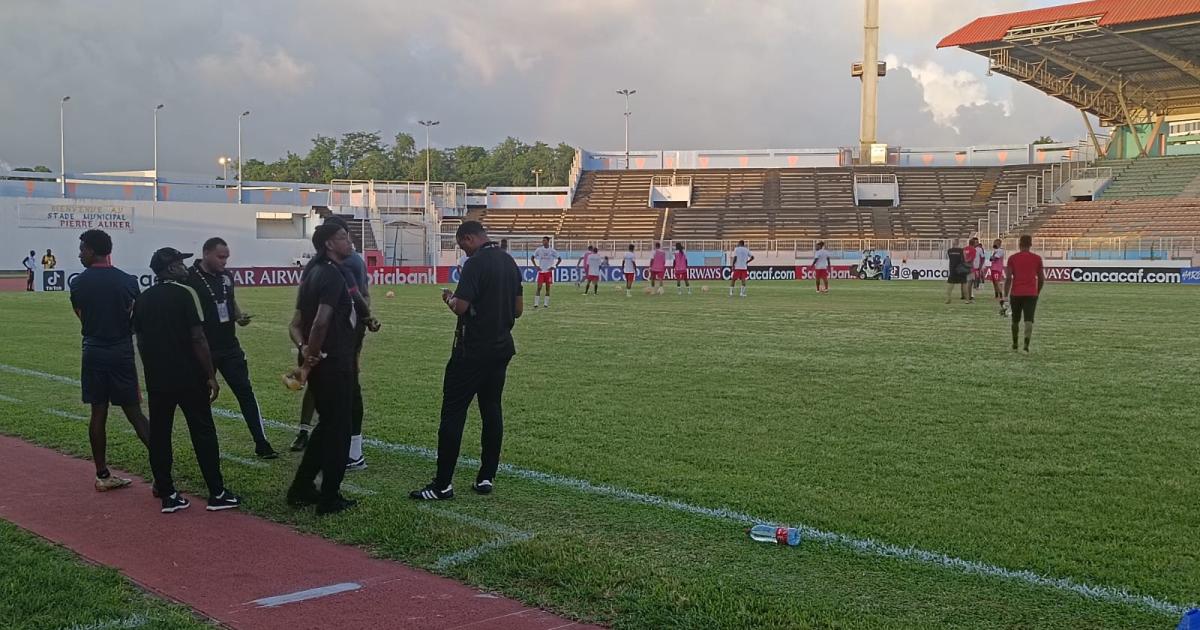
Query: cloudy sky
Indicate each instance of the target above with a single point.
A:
(709, 74)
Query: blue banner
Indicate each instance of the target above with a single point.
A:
(1189, 275)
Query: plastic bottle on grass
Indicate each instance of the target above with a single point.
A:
(782, 535)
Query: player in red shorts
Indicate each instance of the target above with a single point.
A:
(592, 269)
(546, 259)
(1026, 276)
(680, 266)
(741, 266)
(629, 267)
(658, 267)
(996, 273)
(822, 265)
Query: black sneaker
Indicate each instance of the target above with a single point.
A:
(300, 497)
(174, 503)
(356, 464)
(224, 501)
(340, 504)
(301, 442)
(482, 487)
(265, 451)
(431, 493)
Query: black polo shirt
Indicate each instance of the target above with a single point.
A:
(324, 283)
(163, 319)
(492, 284)
(215, 289)
(103, 297)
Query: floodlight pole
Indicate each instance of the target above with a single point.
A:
(239, 164)
(62, 147)
(160, 106)
(627, 93)
(870, 81)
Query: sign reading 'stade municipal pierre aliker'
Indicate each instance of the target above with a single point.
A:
(76, 217)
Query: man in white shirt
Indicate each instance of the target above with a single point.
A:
(593, 265)
(980, 263)
(741, 266)
(545, 258)
(822, 265)
(629, 267)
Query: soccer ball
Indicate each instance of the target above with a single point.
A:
(704, 288)
(390, 294)
(660, 291)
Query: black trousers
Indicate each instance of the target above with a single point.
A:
(198, 413)
(1023, 306)
(236, 372)
(332, 387)
(465, 379)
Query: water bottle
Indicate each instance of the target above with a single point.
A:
(769, 533)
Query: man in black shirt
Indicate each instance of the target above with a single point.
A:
(487, 302)
(323, 328)
(214, 285)
(103, 298)
(169, 322)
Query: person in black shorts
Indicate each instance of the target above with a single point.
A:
(1023, 285)
(487, 302)
(324, 330)
(959, 272)
(222, 315)
(103, 298)
(169, 322)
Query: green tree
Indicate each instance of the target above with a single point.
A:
(1045, 140)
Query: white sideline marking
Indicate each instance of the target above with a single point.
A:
(867, 546)
(359, 490)
(508, 536)
(64, 414)
(243, 461)
(301, 596)
(9, 399)
(133, 621)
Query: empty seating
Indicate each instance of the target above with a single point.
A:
(1152, 176)
(1124, 217)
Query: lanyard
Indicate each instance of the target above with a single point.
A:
(204, 278)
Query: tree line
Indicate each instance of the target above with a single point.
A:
(365, 155)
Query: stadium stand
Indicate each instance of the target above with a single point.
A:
(1123, 217)
(1152, 176)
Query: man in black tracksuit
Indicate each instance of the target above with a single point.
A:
(323, 328)
(214, 285)
(487, 302)
(168, 321)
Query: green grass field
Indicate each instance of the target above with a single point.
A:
(42, 587)
(876, 412)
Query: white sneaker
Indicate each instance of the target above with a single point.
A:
(110, 483)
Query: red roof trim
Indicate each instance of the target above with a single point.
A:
(992, 29)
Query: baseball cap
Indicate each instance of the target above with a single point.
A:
(164, 257)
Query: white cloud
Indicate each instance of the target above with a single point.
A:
(250, 62)
(945, 91)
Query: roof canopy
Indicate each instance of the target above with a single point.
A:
(1124, 61)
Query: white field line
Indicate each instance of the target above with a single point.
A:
(508, 536)
(136, 620)
(866, 546)
(243, 461)
(65, 414)
(9, 399)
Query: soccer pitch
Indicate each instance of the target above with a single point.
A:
(945, 480)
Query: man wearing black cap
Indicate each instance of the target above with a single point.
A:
(169, 321)
(215, 286)
(323, 329)
(487, 302)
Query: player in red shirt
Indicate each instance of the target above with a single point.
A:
(969, 255)
(1023, 285)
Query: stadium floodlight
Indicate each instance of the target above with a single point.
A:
(627, 93)
(239, 164)
(224, 162)
(427, 124)
(62, 147)
(537, 177)
(156, 108)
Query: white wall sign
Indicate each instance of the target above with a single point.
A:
(76, 217)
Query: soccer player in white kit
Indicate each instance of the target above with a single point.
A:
(593, 268)
(741, 266)
(545, 258)
(629, 267)
(821, 266)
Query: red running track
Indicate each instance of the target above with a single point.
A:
(223, 564)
